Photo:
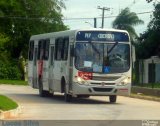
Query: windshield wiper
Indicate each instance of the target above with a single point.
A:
(94, 47)
(116, 43)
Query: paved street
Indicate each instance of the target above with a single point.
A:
(93, 108)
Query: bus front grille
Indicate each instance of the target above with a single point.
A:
(102, 89)
(104, 83)
(108, 78)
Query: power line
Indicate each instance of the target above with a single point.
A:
(140, 13)
(81, 18)
(19, 17)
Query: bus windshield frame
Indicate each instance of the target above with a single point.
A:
(107, 56)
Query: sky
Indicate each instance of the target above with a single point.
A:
(88, 9)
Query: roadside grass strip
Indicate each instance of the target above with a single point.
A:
(14, 82)
(7, 103)
(149, 85)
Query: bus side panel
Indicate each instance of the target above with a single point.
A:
(30, 73)
(50, 68)
(57, 76)
(65, 72)
(45, 75)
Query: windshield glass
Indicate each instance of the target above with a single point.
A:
(102, 57)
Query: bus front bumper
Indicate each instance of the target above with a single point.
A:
(99, 90)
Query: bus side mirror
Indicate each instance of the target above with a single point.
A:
(72, 51)
(133, 54)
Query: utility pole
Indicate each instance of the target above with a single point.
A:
(95, 22)
(103, 9)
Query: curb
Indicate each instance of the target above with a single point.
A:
(10, 114)
(146, 91)
(145, 97)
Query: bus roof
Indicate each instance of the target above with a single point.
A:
(70, 32)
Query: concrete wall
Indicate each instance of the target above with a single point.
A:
(144, 69)
(146, 91)
(158, 73)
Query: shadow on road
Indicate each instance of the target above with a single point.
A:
(56, 99)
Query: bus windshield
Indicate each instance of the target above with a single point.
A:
(102, 57)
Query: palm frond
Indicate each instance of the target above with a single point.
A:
(126, 20)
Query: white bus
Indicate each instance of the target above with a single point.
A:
(81, 63)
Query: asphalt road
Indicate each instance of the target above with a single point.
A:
(35, 107)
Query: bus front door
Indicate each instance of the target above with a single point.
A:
(51, 67)
(35, 68)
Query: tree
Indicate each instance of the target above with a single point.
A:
(149, 1)
(149, 42)
(19, 19)
(126, 20)
(3, 52)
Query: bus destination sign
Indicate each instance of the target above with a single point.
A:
(102, 36)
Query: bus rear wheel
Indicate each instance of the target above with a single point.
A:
(112, 98)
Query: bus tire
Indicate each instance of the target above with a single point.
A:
(42, 93)
(112, 98)
(67, 97)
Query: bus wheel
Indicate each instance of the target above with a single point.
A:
(42, 93)
(68, 97)
(112, 98)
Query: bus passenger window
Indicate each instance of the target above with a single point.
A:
(46, 49)
(58, 48)
(65, 49)
(40, 49)
(71, 55)
(52, 55)
(31, 49)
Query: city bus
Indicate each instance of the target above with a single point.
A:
(81, 63)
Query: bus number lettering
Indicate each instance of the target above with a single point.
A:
(87, 35)
(106, 36)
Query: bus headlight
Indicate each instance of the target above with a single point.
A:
(125, 81)
(81, 81)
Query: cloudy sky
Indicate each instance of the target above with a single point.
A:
(88, 9)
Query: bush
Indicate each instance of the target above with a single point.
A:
(9, 71)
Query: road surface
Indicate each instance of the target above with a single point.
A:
(35, 107)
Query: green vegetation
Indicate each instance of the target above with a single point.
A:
(9, 70)
(14, 82)
(126, 20)
(148, 44)
(7, 104)
(19, 19)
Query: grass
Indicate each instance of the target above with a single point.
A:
(7, 104)
(146, 97)
(14, 82)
